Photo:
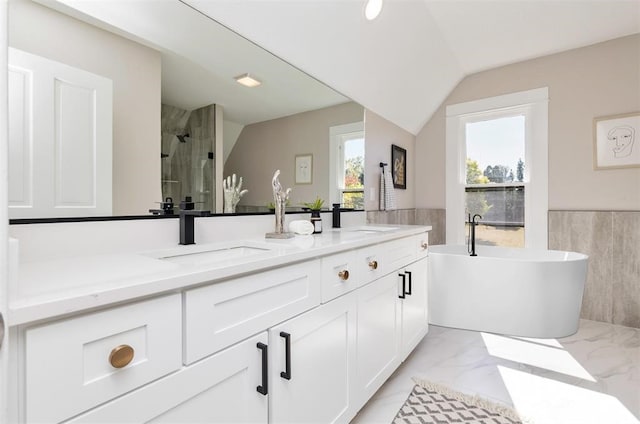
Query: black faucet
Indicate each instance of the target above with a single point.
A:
(187, 215)
(472, 239)
(166, 207)
(336, 215)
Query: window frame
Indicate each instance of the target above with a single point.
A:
(533, 104)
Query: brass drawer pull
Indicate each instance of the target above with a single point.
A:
(373, 264)
(121, 356)
(344, 275)
(424, 245)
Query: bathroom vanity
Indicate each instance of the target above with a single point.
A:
(300, 330)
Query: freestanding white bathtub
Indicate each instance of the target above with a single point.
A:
(518, 292)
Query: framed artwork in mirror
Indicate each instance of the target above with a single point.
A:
(399, 166)
(304, 169)
(614, 141)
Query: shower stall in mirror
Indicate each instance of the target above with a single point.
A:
(188, 155)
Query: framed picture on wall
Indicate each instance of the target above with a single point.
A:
(399, 166)
(304, 169)
(615, 141)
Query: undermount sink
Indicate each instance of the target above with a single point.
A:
(214, 256)
(372, 229)
(363, 231)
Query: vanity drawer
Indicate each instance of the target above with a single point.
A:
(221, 314)
(341, 273)
(70, 365)
(371, 264)
(422, 245)
(399, 253)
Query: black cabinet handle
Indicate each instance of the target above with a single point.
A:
(409, 274)
(287, 356)
(404, 285)
(264, 388)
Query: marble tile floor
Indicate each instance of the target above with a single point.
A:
(592, 376)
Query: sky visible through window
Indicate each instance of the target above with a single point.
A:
(354, 148)
(496, 142)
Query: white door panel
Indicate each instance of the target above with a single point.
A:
(60, 126)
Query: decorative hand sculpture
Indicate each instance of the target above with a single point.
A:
(280, 197)
(232, 193)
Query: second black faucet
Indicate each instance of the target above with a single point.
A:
(187, 215)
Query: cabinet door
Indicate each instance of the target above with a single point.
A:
(218, 389)
(414, 305)
(316, 385)
(378, 336)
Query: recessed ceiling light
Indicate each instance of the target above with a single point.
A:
(372, 9)
(247, 80)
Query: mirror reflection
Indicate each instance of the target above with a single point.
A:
(175, 120)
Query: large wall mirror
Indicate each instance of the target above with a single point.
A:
(116, 105)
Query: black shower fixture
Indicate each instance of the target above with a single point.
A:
(182, 137)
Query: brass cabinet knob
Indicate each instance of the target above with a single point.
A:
(344, 275)
(121, 356)
(373, 264)
(424, 245)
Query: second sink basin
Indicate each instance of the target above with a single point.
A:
(214, 256)
(374, 229)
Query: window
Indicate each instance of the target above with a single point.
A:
(347, 165)
(495, 179)
(497, 168)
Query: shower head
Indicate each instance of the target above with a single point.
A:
(182, 137)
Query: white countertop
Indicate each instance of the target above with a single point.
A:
(51, 288)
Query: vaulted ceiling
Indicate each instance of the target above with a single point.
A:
(404, 64)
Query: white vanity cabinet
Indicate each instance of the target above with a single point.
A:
(293, 343)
